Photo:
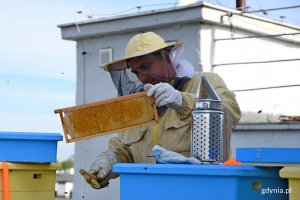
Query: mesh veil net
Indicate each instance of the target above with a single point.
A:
(126, 82)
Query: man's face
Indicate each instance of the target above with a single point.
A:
(152, 69)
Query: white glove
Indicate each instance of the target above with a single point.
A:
(164, 156)
(164, 94)
(101, 170)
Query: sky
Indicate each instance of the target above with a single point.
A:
(38, 68)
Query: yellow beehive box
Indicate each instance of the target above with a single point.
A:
(28, 181)
(107, 116)
(293, 174)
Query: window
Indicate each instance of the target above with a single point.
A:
(105, 56)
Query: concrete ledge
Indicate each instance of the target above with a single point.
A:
(268, 127)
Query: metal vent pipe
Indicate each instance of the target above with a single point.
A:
(241, 5)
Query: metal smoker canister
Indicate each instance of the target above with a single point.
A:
(207, 131)
(209, 143)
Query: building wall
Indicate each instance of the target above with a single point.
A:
(59, 189)
(282, 70)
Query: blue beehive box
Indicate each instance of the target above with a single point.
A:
(28, 147)
(198, 182)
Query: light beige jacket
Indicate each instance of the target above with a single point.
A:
(174, 127)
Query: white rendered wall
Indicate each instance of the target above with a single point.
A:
(256, 75)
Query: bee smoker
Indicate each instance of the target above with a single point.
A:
(208, 141)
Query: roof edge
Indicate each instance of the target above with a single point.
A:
(148, 12)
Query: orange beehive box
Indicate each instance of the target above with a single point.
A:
(108, 116)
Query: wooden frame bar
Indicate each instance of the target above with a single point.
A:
(107, 116)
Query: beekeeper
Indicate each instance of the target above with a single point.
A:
(153, 65)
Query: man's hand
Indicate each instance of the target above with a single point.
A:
(164, 94)
(101, 170)
(93, 179)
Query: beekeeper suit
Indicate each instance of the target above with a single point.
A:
(151, 64)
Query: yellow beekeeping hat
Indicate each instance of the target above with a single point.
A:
(139, 45)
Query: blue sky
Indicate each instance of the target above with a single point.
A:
(38, 68)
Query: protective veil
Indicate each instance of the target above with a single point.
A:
(127, 82)
(182, 67)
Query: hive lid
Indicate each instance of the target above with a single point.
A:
(30, 136)
(32, 166)
(195, 169)
(290, 172)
